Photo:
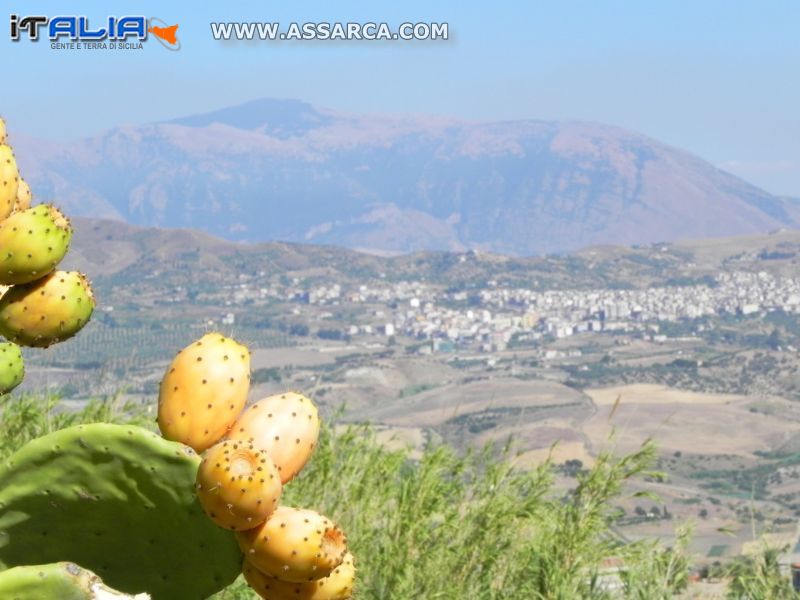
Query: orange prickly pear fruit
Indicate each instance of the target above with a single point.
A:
(203, 391)
(336, 586)
(294, 544)
(237, 485)
(285, 425)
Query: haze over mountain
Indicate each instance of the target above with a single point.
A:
(286, 170)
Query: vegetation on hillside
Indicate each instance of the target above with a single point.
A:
(451, 526)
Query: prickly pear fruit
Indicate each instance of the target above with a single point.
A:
(203, 391)
(237, 484)
(57, 581)
(294, 544)
(285, 425)
(3, 134)
(32, 243)
(46, 311)
(24, 196)
(12, 367)
(336, 586)
(9, 181)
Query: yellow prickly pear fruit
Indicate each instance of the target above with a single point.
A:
(294, 544)
(285, 425)
(48, 310)
(3, 134)
(12, 367)
(237, 485)
(32, 243)
(9, 181)
(24, 196)
(203, 391)
(336, 586)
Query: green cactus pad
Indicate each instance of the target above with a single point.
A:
(12, 367)
(118, 500)
(57, 581)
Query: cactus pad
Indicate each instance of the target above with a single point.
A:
(12, 367)
(57, 581)
(118, 500)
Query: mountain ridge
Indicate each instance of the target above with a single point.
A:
(283, 169)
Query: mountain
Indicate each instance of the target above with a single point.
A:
(286, 170)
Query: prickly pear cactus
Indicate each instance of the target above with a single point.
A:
(9, 180)
(336, 586)
(33, 241)
(118, 500)
(46, 311)
(57, 581)
(294, 544)
(24, 196)
(285, 425)
(203, 391)
(12, 367)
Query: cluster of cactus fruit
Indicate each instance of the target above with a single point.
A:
(39, 305)
(248, 455)
(147, 513)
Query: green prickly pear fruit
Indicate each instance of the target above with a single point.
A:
(9, 180)
(12, 367)
(294, 544)
(237, 485)
(57, 581)
(32, 243)
(24, 196)
(336, 586)
(285, 425)
(48, 310)
(203, 391)
(119, 500)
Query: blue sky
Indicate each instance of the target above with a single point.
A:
(720, 79)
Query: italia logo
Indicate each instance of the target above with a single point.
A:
(76, 32)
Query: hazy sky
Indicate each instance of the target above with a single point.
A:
(718, 78)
